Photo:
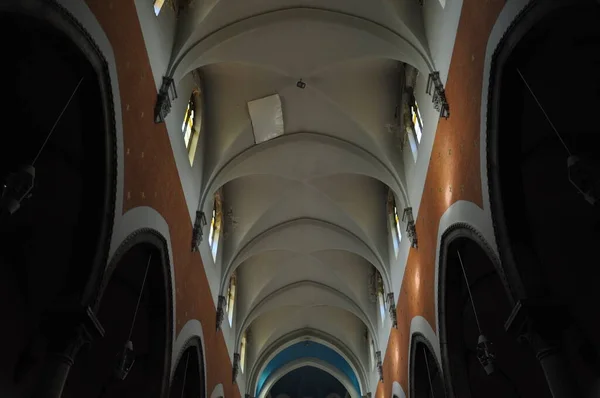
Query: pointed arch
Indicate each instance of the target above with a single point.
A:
(406, 49)
(352, 244)
(346, 303)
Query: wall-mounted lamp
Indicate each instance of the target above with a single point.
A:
(392, 309)
(411, 230)
(435, 87)
(220, 311)
(379, 365)
(199, 223)
(301, 84)
(236, 367)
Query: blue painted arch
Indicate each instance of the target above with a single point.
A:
(307, 350)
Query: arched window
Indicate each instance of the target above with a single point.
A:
(192, 120)
(231, 298)
(414, 121)
(187, 127)
(417, 120)
(372, 358)
(158, 4)
(381, 297)
(243, 352)
(394, 222)
(215, 225)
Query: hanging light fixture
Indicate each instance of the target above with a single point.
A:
(428, 372)
(485, 355)
(18, 186)
(126, 358)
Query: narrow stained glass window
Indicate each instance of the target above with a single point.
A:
(188, 123)
(158, 6)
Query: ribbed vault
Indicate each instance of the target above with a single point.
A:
(306, 216)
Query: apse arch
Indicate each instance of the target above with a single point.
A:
(314, 363)
(303, 353)
(351, 306)
(415, 53)
(359, 247)
(307, 334)
(257, 159)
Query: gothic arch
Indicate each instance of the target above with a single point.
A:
(56, 244)
(464, 254)
(406, 49)
(189, 376)
(547, 152)
(312, 362)
(134, 304)
(58, 20)
(253, 160)
(425, 373)
(268, 240)
(345, 303)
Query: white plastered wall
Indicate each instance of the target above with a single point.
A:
(159, 34)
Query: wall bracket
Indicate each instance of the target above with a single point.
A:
(236, 367)
(199, 223)
(166, 94)
(411, 230)
(392, 309)
(379, 365)
(220, 311)
(436, 89)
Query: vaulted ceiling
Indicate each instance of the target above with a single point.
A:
(306, 218)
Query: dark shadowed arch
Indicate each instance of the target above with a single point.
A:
(188, 380)
(54, 248)
(426, 380)
(145, 251)
(546, 230)
(517, 372)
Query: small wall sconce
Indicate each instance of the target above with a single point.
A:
(411, 230)
(435, 87)
(199, 223)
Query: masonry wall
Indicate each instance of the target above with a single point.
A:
(151, 179)
(453, 175)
